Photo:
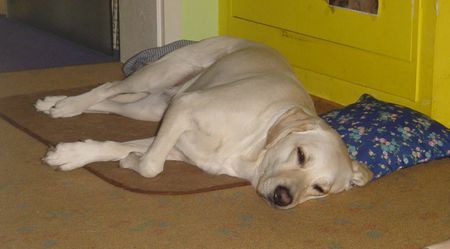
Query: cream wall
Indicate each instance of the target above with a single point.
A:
(172, 21)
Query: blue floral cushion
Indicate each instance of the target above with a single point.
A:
(388, 137)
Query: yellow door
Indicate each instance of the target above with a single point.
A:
(340, 54)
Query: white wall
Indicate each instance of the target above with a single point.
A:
(172, 21)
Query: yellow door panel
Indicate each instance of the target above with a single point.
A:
(370, 70)
(388, 33)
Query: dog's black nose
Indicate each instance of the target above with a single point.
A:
(281, 196)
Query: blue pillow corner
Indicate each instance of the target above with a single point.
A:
(388, 137)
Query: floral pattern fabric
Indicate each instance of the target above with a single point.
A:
(388, 137)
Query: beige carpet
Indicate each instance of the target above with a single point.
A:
(41, 208)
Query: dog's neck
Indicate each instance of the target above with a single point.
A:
(249, 169)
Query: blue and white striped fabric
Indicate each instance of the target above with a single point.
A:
(150, 55)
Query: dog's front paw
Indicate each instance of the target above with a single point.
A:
(69, 156)
(44, 105)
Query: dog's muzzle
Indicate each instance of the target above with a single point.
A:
(281, 197)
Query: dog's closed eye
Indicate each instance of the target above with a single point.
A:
(300, 156)
(318, 188)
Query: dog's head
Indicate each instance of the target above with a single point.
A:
(305, 159)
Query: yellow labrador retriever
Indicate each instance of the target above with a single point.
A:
(227, 105)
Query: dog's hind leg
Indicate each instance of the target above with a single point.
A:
(149, 107)
(154, 78)
(171, 70)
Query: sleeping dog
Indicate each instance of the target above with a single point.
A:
(229, 106)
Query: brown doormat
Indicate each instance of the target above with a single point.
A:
(177, 177)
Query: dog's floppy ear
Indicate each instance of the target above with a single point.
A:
(361, 174)
(294, 120)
